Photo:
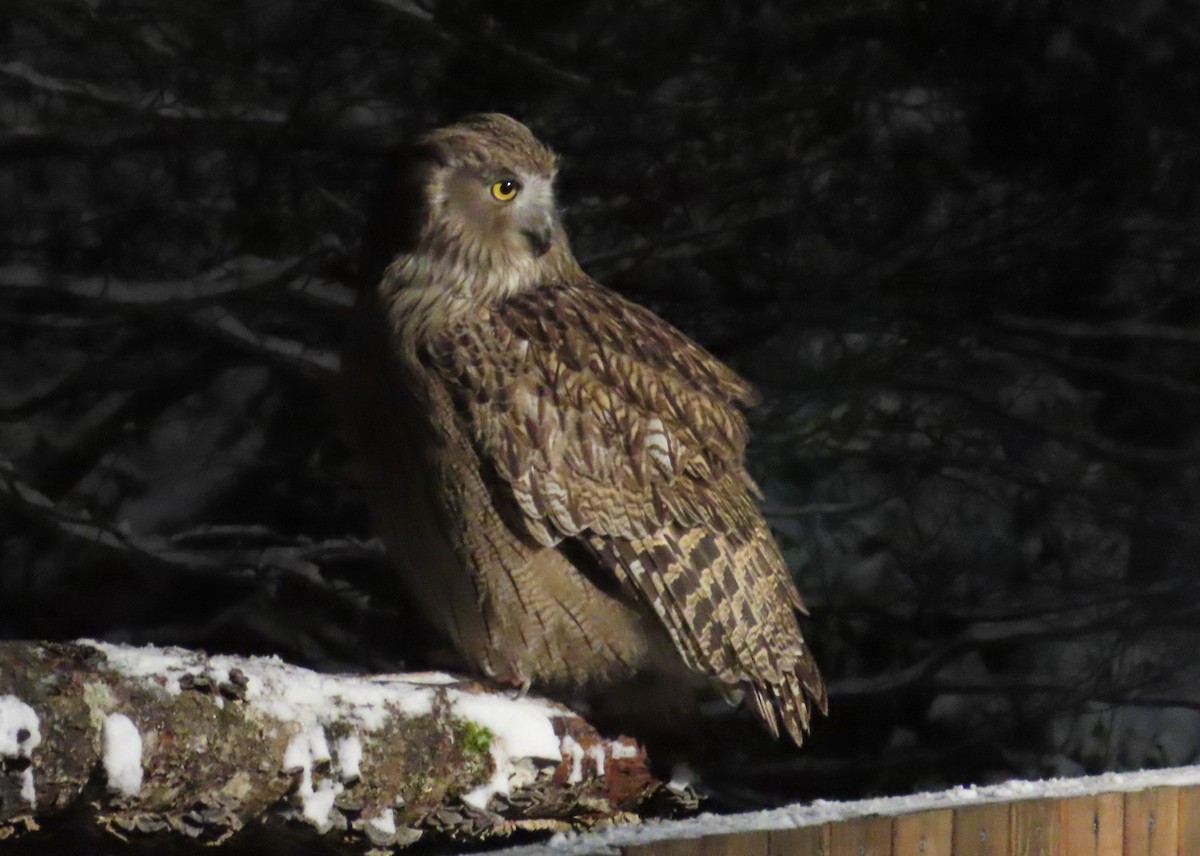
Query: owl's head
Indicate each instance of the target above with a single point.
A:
(488, 187)
(476, 225)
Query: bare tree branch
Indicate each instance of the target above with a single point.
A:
(236, 276)
(162, 104)
(1159, 334)
(289, 353)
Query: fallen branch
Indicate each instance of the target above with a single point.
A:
(170, 746)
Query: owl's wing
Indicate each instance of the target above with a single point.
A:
(598, 415)
(602, 423)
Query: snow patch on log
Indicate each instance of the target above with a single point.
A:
(349, 755)
(201, 749)
(572, 748)
(307, 748)
(282, 691)
(19, 736)
(518, 730)
(596, 753)
(122, 755)
(383, 825)
(624, 751)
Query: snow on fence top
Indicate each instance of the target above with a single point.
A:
(613, 840)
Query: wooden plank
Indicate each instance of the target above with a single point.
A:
(741, 844)
(926, 833)
(737, 844)
(981, 830)
(1035, 828)
(862, 836)
(1093, 825)
(1162, 821)
(661, 848)
(805, 841)
(1152, 822)
(1189, 820)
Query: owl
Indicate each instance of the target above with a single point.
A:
(558, 472)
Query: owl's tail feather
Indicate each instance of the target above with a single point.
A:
(788, 703)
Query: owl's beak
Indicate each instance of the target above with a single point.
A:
(540, 236)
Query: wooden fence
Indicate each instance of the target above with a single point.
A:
(1159, 821)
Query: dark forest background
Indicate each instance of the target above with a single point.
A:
(955, 245)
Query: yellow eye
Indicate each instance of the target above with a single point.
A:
(505, 190)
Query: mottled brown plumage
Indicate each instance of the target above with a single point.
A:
(559, 471)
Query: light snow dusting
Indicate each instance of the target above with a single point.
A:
(122, 755)
(285, 692)
(610, 840)
(19, 736)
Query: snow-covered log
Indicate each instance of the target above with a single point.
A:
(141, 742)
